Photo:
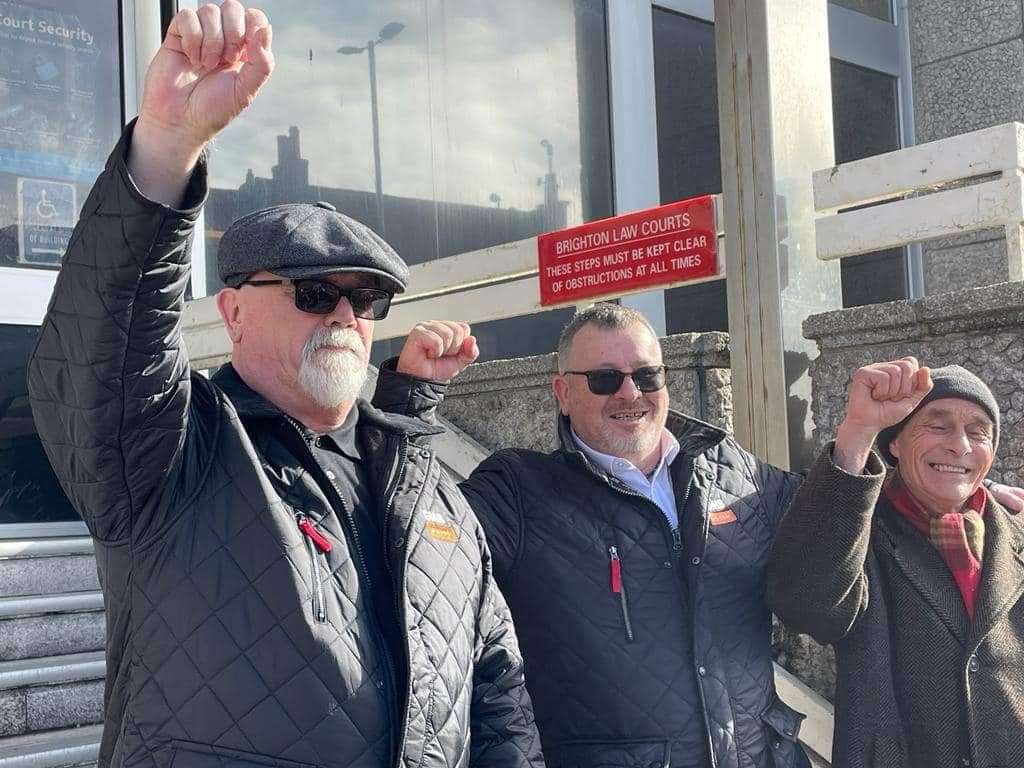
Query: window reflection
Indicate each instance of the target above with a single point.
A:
(479, 113)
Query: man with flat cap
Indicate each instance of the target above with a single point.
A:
(290, 577)
(915, 575)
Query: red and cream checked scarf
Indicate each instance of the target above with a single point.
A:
(959, 536)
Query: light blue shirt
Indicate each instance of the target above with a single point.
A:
(657, 487)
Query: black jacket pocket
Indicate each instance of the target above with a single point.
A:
(609, 753)
(782, 724)
(188, 754)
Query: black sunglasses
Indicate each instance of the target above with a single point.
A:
(607, 381)
(319, 297)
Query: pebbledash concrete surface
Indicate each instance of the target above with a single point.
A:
(509, 402)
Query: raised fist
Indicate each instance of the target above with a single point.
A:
(883, 394)
(210, 67)
(437, 350)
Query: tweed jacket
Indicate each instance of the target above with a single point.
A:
(919, 684)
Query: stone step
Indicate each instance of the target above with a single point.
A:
(51, 625)
(47, 566)
(53, 749)
(50, 693)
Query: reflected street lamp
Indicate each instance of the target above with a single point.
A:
(388, 32)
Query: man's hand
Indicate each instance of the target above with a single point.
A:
(1011, 497)
(437, 350)
(880, 395)
(210, 67)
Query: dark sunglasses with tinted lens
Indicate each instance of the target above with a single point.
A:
(607, 381)
(319, 297)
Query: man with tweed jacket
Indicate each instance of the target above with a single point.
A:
(915, 576)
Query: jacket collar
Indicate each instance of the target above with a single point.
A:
(694, 436)
(1002, 574)
(252, 405)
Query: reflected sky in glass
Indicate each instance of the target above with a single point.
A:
(467, 91)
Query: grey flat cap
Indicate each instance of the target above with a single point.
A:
(306, 240)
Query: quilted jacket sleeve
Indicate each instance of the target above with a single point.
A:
(778, 488)
(816, 579)
(109, 377)
(493, 493)
(503, 732)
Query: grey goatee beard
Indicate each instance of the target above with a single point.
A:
(333, 376)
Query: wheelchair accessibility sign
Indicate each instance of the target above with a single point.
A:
(46, 214)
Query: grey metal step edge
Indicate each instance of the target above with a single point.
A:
(70, 668)
(25, 548)
(65, 602)
(52, 749)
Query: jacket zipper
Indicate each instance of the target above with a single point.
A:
(395, 476)
(315, 544)
(615, 566)
(677, 547)
(382, 649)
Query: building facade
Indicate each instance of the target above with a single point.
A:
(453, 127)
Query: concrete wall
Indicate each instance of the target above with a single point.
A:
(509, 403)
(968, 73)
(981, 329)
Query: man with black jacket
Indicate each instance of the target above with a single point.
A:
(290, 577)
(633, 560)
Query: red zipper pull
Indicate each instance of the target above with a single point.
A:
(306, 526)
(616, 569)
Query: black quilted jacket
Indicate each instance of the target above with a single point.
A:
(232, 639)
(605, 695)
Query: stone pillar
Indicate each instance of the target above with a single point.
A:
(968, 70)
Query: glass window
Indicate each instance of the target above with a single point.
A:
(866, 122)
(445, 126)
(29, 493)
(880, 9)
(60, 113)
(686, 90)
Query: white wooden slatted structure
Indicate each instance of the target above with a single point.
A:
(948, 187)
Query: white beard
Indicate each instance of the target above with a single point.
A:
(335, 376)
(637, 445)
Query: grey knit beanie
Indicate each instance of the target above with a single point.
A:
(949, 381)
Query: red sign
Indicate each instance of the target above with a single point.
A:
(670, 244)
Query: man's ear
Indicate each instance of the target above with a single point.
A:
(560, 386)
(230, 309)
(894, 447)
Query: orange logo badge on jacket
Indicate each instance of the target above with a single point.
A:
(440, 529)
(723, 517)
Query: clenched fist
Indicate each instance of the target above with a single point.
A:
(880, 395)
(437, 350)
(210, 67)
